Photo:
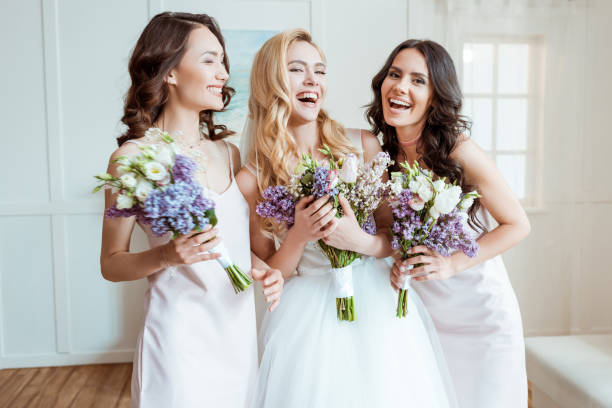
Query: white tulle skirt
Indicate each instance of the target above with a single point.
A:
(310, 359)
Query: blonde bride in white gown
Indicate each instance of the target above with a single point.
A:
(310, 359)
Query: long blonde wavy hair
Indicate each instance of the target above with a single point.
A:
(270, 110)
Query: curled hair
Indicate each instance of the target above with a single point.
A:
(444, 124)
(159, 49)
(270, 109)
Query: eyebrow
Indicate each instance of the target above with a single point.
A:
(319, 64)
(213, 53)
(412, 73)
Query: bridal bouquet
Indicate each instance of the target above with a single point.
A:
(157, 186)
(430, 213)
(361, 185)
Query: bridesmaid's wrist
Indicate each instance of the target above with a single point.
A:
(294, 241)
(163, 256)
(364, 243)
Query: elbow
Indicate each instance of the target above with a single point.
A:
(525, 228)
(107, 272)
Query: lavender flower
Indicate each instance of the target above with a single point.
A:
(278, 204)
(183, 168)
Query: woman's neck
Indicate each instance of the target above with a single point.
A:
(179, 121)
(306, 136)
(408, 138)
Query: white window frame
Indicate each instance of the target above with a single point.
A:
(535, 83)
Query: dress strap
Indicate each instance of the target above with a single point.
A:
(231, 159)
(354, 136)
(136, 142)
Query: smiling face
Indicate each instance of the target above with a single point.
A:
(406, 90)
(307, 82)
(199, 77)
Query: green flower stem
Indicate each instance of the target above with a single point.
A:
(240, 281)
(402, 296)
(345, 309)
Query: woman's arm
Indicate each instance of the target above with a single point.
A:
(313, 220)
(497, 198)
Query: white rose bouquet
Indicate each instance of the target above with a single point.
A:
(427, 212)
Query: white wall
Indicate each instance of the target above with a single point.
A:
(65, 72)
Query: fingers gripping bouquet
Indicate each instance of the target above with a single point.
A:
(430, 213)
(361, 185)
(157, 186)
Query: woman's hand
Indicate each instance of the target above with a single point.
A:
(427, 264)
(272, 282)
(314, 220)
(347, 234)
(189, 249)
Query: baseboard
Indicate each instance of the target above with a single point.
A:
(60, 359)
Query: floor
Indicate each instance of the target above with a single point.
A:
(99, 385)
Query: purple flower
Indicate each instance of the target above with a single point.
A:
(323, 178)
(183, 168)
(278, 204)
(444, 235)
(369, 225)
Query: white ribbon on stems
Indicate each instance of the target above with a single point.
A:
(407, 278)
(342, 281)
(224, 260)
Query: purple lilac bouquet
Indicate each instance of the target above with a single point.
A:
(430, 213)
(157, 186)
(361, 185)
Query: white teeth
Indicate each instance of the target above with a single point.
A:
(399, 102)
(214, 89)
(309, 95)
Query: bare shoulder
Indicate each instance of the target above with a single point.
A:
(247, 183)
(468, 152)
(235, 156)
(479, 167)
(370, 143)
(126, 149)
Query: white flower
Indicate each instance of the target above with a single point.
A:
(420, 185)
(124, 201)
(123, 161)
(128, 180)
(155, 171)
(153, 133)
(447, 200)
(439, 185)
(164, 156)
(397, 186)
(143, 189)
(416, 203)
(434, 213)
(348, 172)
(466, 203)
(333, 179)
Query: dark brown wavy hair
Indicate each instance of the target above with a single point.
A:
(443, 125)
(160, 48)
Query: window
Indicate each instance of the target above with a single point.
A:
(500, 85)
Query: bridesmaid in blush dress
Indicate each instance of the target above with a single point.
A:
(198, 344)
